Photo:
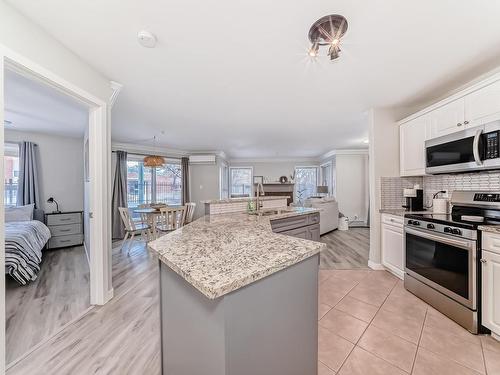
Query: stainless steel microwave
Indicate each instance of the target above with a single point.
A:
(469, 150)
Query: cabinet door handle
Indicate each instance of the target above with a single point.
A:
(459, 124)
(466, 122)
(484, 261)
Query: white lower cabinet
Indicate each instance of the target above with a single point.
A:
(491, 291)
(393, 244)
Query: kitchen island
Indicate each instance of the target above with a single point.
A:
(238, 299)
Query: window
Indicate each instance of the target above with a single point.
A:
(240, 182)
(224, 181)
(153, 185)
(306, 180)
(11, 173)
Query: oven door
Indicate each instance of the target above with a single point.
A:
(444, 263)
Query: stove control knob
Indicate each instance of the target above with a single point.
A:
(430, 226)
(447, 230)
(410, 222)
(416, 222)
(456, 231)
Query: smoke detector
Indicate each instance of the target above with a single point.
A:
(146, 39)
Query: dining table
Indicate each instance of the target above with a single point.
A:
(152, 218)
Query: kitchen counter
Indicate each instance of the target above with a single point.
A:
(218, 254)
(225, 281)
(489, 228)
(239, 200)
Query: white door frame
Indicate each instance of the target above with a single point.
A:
(100, 166)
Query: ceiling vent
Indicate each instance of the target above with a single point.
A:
(202, 159)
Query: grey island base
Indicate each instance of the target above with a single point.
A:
(266, 328)
(237, 298)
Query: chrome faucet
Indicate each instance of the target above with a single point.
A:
(260, 189)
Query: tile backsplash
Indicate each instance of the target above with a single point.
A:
(391, 190)
(392, 187)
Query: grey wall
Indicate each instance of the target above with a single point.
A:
(204, 181)
(61, 168)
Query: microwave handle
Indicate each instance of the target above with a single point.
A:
(475, 147)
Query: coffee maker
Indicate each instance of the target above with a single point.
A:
(414, 199)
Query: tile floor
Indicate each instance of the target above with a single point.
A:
(369, 324)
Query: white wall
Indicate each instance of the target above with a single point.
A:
(352, 186)
(383, 162)
(61, 168)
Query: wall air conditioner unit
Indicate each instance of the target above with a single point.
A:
(202, 159)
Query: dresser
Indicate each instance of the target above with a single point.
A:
(66, 229)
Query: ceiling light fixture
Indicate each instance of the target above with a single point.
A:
(327, 31)
(7, 122)
(146, 39)
(154, 161)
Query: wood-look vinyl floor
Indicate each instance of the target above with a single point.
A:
(123, 337)
(127, 327)
(346, 249)
(36, 311)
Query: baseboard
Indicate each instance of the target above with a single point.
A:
(375, 266)
(109, 295)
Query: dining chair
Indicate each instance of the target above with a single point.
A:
(132, 227)
(190, 207)
(146, 219)
(171, 218)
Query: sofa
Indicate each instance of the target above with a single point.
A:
(329, 213)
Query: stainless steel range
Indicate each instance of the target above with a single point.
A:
(442, 255)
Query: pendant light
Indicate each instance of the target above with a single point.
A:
(154, 161)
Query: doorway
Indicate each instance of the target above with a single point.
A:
(97, 213)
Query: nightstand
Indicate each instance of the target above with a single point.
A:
(66, 229)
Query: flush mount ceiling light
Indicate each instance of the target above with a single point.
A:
(146, 39)
(327, 31)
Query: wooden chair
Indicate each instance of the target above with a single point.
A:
(131, 227)
(189, 212)
(171, 218)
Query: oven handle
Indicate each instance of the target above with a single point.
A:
(465, 244)
(475, 147)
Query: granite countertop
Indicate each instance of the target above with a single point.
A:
(218, 254)
(489, 228)
(401, 211)
(238, 200)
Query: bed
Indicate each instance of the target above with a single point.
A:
(24, 241)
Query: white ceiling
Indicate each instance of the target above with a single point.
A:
(33, 106)
(233, 75)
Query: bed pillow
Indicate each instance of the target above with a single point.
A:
(19, 213)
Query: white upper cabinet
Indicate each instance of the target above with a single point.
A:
(447, 119)
(483, 106)
(473, 106)
(412, 136)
